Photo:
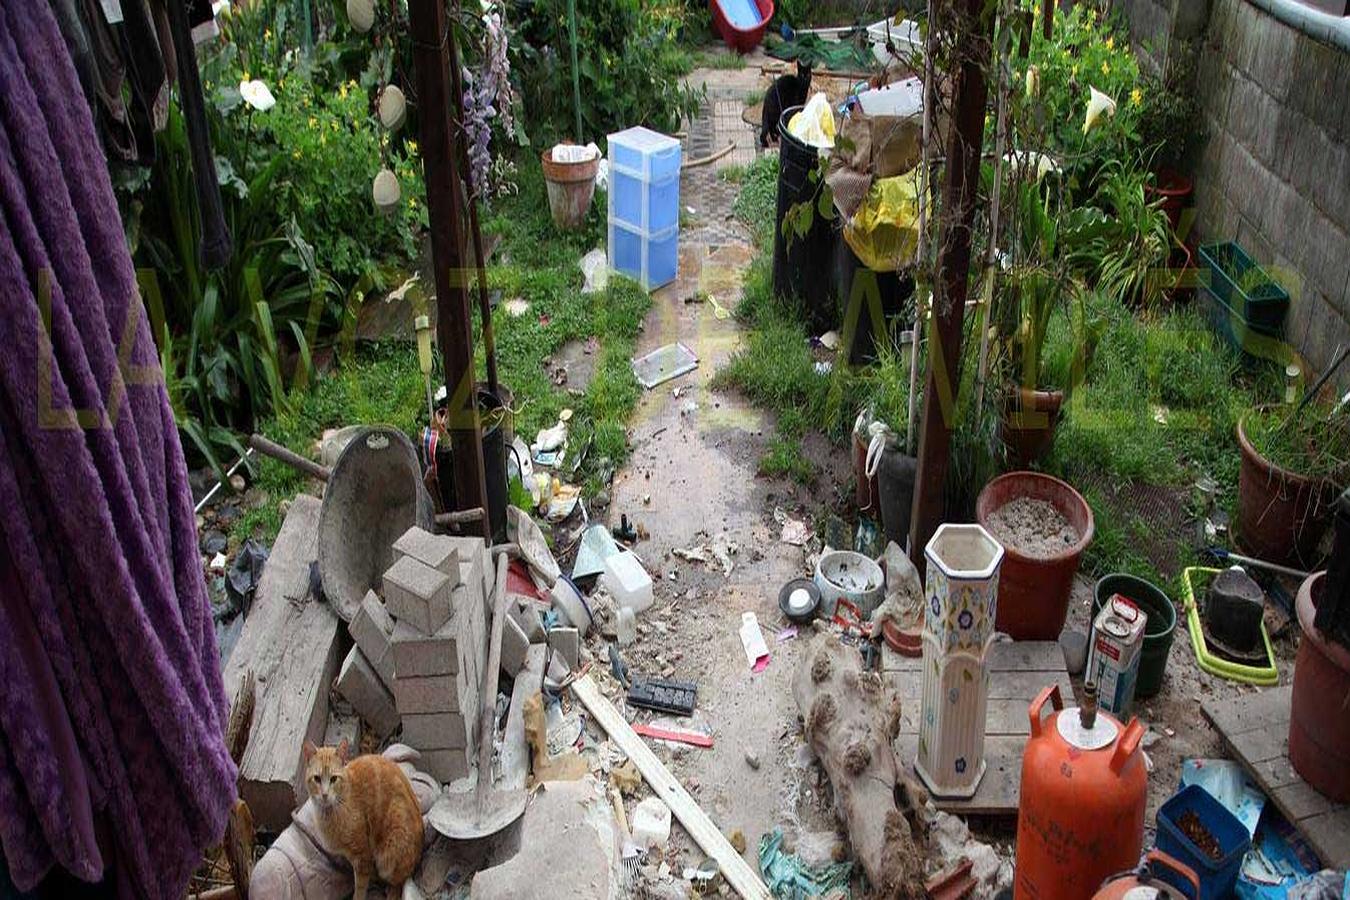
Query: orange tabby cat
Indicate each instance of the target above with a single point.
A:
(368, 813)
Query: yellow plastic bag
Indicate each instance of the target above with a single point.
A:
(814, 124)
(885, 230)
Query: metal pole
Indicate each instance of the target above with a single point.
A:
(576, 72)
(925, 175)
(445, 206)
(974, 24)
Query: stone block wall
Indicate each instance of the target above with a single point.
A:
(1274, 173)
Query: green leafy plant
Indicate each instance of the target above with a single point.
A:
(1170, 119)
(629, 59)
(1315, 443)
(1132, 253)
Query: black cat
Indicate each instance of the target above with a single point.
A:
(786, 92)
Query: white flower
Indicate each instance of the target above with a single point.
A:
(257, 95)
(1033, 81)
(1041, 163)
(220, 8)
(1098, 103)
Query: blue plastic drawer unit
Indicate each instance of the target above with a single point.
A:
(644, 206)
(651, 259)
(644, 177)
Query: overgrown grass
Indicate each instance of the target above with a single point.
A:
(534, 263)
(718, 58)
(757, 202)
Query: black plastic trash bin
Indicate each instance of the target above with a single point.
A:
(852, 278)
(801, 265)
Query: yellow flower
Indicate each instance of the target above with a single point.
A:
(412, 146)
(295, 154)
(246, 78)
(313, 123)
(1136, 96)
(267, 34)
(412, 203)
(1111, 42)
(342, 90)
(1106, 68)
(1074, 70)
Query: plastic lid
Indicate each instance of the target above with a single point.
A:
(644, 140)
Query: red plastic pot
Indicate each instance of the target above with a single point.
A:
(742, 40)
(1319, 715)
(1282, 515)
(1033, 593)
(1029, 420)
(1174, 190)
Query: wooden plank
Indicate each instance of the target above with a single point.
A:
(1022, 686)
(1256, 728)
(1004, 656)
(1001, 717)
(735, 869)
(999, 789)
(1246, 713)
(290, 643)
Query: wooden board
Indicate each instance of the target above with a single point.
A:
(737, 872)
(290, 642)
(1256, 729)
(1018, 671)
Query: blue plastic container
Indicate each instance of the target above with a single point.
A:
(647, 154)
(650, 259)
(1217, 876)
(646, 205)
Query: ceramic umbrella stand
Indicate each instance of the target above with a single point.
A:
(960, 590)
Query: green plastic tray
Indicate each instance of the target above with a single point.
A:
(1217, 665)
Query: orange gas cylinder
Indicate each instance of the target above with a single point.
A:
(1084, 787)
(1144, 883)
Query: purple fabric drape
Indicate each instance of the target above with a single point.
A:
(111, 703)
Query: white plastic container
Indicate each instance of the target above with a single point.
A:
(651, 823)
(627, 582)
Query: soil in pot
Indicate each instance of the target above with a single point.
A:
(1190, 824)
(1033, 528)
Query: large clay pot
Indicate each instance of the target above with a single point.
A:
(1029, 420)
(1033, 594)
(1281, 514)
(1319, 715)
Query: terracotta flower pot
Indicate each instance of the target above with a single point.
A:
(1319, 715)
(571, 187)
(1174, 190)
(1033, 592)
(1281, 514)
(1029, 420)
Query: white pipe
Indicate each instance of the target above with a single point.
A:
(929, 98)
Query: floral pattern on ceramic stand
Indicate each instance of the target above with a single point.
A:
(961, 591)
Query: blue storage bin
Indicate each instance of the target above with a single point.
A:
(649, 155)
(651, 206)
(650, 259)
(1217, 876)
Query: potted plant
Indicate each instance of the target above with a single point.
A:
(1293, 461)
(1170, 126)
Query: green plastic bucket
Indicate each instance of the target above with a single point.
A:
(1162, 624)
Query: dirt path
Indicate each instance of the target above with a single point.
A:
(692, 477)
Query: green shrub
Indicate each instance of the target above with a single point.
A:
(630, 62)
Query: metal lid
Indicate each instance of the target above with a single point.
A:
(1100, 733)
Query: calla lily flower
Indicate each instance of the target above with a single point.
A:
(1033, 81)
(1098, 105)
(257, 95)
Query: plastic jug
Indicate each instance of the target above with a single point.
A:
(627, 582)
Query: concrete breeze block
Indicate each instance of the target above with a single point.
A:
(417, 594)
(444, 765)
(435, 550)
(360, 685)
(515, 647)
(435, 731)
(428, 694)
(371, 628)
(567, 643)
(417, 654)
